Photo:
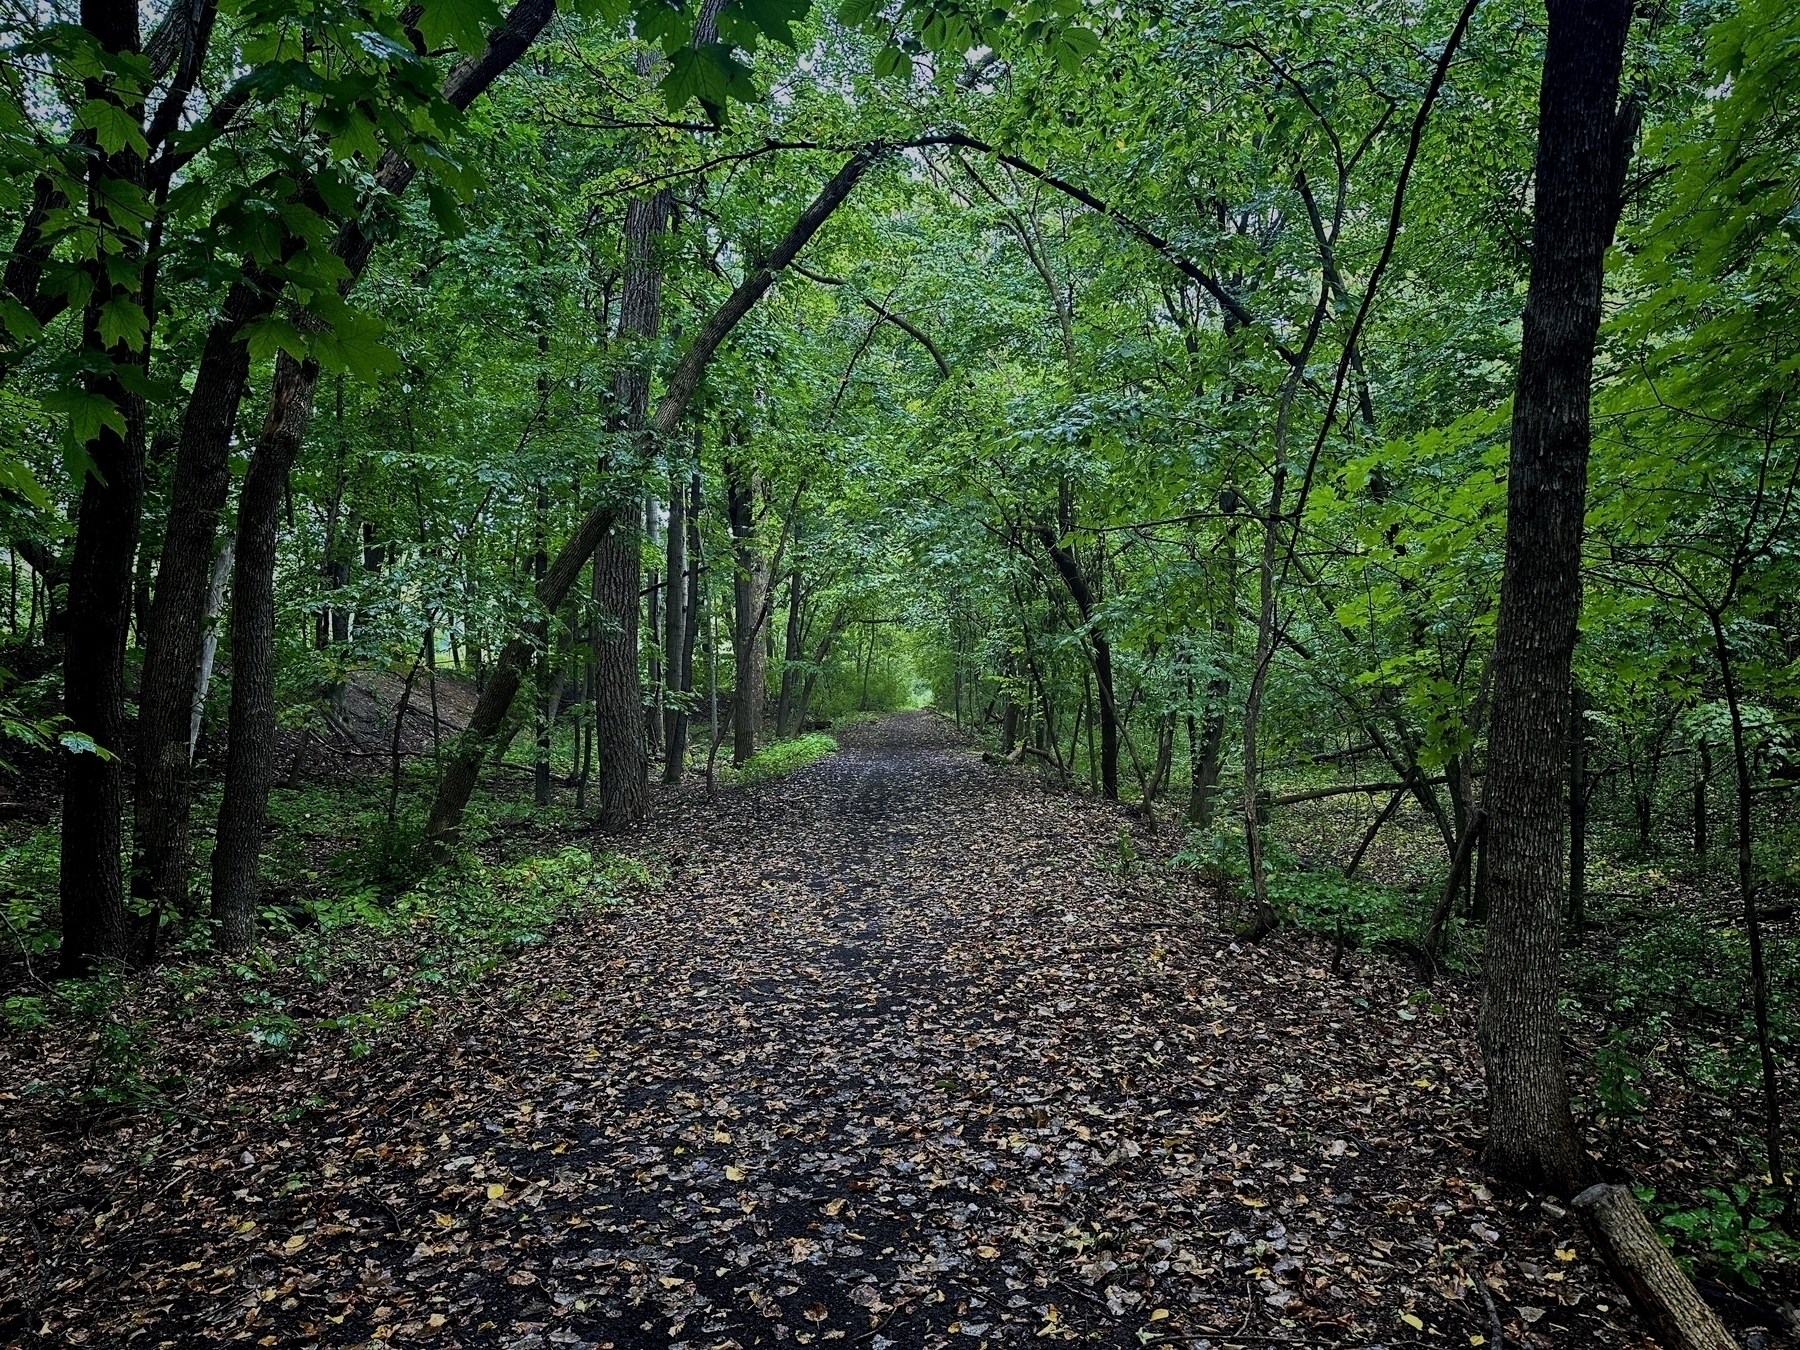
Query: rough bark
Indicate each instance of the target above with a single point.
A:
(749, 572)
(250, 745)
(674, 630)
(618, 564)
(100, 574)
(1580, 162)
(161, 791)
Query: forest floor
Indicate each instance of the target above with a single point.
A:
(902, 1051)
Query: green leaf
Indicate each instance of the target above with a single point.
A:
(80, 743)
(85, 411)
(773, 17)
(273, 333)
(113, 127)
(352, 345)
(891, 61)
(444, 210)
(122, 319)
(466, 23)
(18, 320)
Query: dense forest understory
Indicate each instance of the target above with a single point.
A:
(891, 1048)
(728, 671)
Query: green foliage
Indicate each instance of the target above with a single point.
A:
(1617, 1076)
(1734, 1233)
(1317, 900)
(783, 757)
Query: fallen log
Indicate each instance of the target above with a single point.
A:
(1663, 1296)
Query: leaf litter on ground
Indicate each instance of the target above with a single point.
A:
(894, 1058)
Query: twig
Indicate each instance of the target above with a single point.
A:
(1496, 1332)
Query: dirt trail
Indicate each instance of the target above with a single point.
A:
(898, 1058)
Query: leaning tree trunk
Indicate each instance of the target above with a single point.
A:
(249, 768)
(162, 795)
(1068, 567)
(618, 564)
(250, 742)
(100, 572)
(463, 767)
(1583, 143)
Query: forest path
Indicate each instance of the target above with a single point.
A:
(896, 1058)
(900, 1059)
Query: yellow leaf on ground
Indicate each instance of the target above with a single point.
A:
(495, 1190)
(734, 1174)
(833, 1206)
(1158, 1314)
(987, 1253)
(671, 1281)
(1565, 1253)
(721, 1136)
(1412, 1321)
(295, 1243)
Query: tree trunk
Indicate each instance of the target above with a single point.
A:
(1582, 150)
(1069, 568)
(100, 572)
(749, 576)
(202, 476)
(1578, 805)
(1204, 753)
(250, 739)
(460, 774)
(792, 654)
(654, 586)
(677, 750)
(1746, 877)
(618, 565)
(1646, 1271)
(674, 630)
(209, 645)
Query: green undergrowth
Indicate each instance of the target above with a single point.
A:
(362, 940)
(1319, 900)
(781, 758)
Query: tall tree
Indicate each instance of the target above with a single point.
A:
(618, 565)
(114, 333)
(1584, 144)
